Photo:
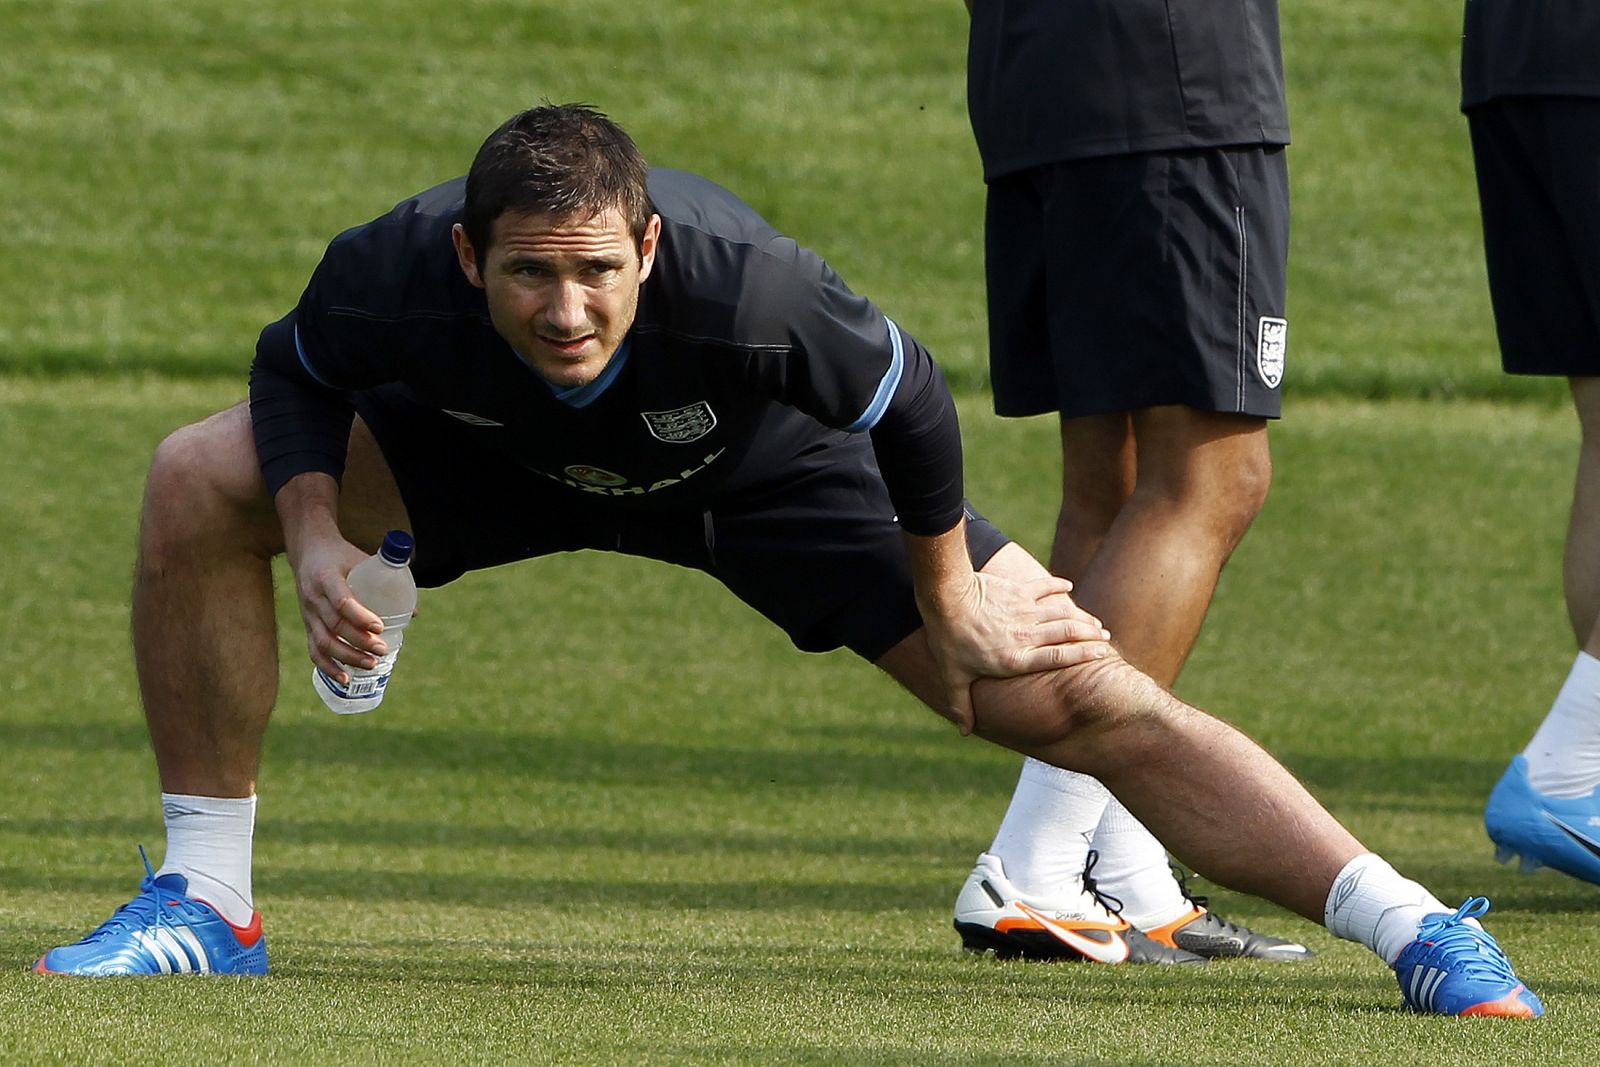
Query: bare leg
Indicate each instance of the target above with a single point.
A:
(1220, 802)
(1153, 504)
(1199, 480)
(1098, 468)
(1563, 756)
(1581, 562)
(204, 628)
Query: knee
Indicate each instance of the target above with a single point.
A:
(1242, 494)
(1215, 497)
(1073, 707)
(203, 490)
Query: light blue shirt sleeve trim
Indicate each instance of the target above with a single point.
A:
(305, 361)
(886, 387)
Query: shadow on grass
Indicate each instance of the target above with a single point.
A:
(1396, 783)
(463, 887)
(406, 834)
(1544, 893)
(829, 969)
(564, 758)
(1400, 783)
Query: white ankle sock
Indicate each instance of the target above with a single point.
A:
(1044, 839)
(1372, 903)
(209, 842)
(1133, 871)
(1564, 755)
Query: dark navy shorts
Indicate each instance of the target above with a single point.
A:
(1132, 281)
(817, 550)
(1538, 163)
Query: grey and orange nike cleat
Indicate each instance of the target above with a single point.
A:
(992, 915)
(1208, 934)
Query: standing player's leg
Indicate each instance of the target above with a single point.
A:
(1201, 479)
(1099, 468)
(1153, 504)
(1155, 499)
(205, 647)
(1040, 856)
(1538, 165)
(1580, 570)
(1547, 803)
(1228, 808)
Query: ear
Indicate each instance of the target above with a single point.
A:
(647, 246)
(466, 255)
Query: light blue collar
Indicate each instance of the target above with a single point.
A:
(581, 396)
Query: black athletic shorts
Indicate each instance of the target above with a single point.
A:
(1538, 163)
(1129, 281)
(819, 554)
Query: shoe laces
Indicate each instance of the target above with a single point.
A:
(1210, 917)
(1473, 951)
(1104, 899)
(140, 913)
(1183, 876)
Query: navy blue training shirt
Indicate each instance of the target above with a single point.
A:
(1529, 48)
(1056, 80)
(747, 351)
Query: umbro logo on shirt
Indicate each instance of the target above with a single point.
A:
(470, 419)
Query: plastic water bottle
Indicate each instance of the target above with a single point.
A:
(384, 585)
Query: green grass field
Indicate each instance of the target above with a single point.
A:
(634, 826)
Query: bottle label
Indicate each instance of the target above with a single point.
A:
(361, 685)
(364, 690)
(364, 683)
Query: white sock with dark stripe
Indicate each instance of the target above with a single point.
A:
(209, 842)
(1374, 904)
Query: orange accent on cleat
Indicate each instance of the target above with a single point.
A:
(248, 935)
(1164, 934)
(1510, 1006)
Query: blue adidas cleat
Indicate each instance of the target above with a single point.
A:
(1558, 832)
(163, 930)
(1453, 968)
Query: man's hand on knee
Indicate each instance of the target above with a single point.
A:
(1000, 628)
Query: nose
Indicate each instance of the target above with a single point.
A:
(566, 312)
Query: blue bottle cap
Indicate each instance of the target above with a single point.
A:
(397, 546)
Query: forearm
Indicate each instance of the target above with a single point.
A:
(941, 569)
(308, 510)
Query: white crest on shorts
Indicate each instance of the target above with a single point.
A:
(588, 475)
(681, 425)
(1272, 341)
(470, 419)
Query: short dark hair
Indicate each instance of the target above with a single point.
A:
(564, 159)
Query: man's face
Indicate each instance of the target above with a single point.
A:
(561, 290)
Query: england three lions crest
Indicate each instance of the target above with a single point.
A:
(1272, 342)
(681, 425)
